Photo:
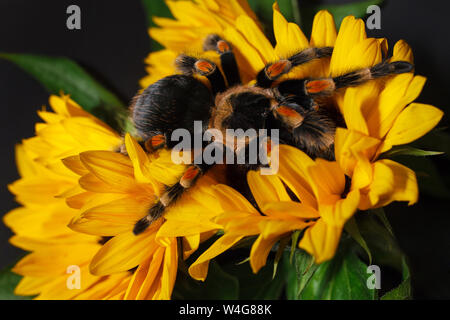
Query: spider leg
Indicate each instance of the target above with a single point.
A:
(308, 129)
(327, 86)
(172, 194)
(227, 59)
(189, 66)
(274, 71)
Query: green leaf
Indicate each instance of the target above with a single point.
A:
(342, 278)
(8, 282)
(352, 228)
(304, 270)
(58, 74)
(294, 240)
(438, 139)
(261, 286)
(408, 151)
(380, 240)
(280, 252)
(377, 231)
(403, 291)
(263, 9)
(382, 216)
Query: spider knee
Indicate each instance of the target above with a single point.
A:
(227, 59)
(189, 66)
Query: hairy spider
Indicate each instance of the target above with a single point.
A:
(300, 108)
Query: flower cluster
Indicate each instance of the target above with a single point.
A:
(80, 197)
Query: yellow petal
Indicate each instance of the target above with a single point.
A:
(91, 135)
(277, 227)
(328, 179)
(54, 260)
(352, 146)
(74, 163)
(248, 58)
(398, 93)
(256, 37)
(112, 218)
(112, 168)
(139, 159)
(321, 240)
(58, 290)
(356, 101)
(30, 286)
(402, 52)
(364, 54)
(162, 169)
(293, 170)
(231, 200)
(290, 209)
(25, 165)
(338, 214)
(351, 33)
(124, 252)
(259, 252)
(391, 182)
(169, 272)
(323, 32)
(101, 289)
(414, 122)
(266, 188)
(199, 269)
(145, 276)
(290, 39)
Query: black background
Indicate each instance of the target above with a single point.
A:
(114, 41)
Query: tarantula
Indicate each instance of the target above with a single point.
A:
(299, 108)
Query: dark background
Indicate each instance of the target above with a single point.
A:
(111, 46)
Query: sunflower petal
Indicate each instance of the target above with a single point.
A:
(260, 251)
(266, 188)
(323, 32)
(414, 122)
(199, 269)
(289, 37)
(391, 182)
(124, 252)
(321, 240)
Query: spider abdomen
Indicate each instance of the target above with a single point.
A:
(173, 102)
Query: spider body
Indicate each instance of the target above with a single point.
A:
(296, 107)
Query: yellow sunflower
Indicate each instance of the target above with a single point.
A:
(118, 190)
(40, 224)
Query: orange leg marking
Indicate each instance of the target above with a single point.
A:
(204, 67)
(316, 86)
(155, 143)
(278, 68)
(222, 46)
(290, 116)
(189, 176)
